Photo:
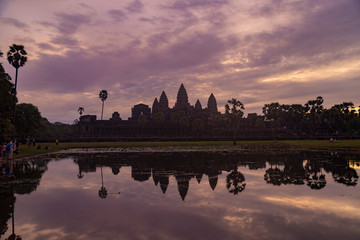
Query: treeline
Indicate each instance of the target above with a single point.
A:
(28, 120)
(312, 118)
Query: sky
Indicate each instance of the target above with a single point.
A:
(258, 51)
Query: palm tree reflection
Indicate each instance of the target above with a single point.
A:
(13, 236)
(80, 174)
(102, 191)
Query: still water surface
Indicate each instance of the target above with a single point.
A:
(183, 196)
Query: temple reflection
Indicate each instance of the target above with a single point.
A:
(313, 170)
(280, 169)
(219, 173)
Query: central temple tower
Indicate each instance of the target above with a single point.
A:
(212, 105)
(182, 101)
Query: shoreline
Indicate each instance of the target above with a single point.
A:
(212, 146)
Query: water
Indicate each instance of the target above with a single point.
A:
(183, 196)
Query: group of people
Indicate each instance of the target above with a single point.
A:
(30, 141)
(12, 146)
(8, 149)
(7, 170)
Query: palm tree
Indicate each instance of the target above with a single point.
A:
(103, 96)
(234, 114)
(81, 110)
(16, 56)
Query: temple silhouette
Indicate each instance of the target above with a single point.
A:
(182, 120)
(279, 169)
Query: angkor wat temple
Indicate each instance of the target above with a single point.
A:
(183, 120)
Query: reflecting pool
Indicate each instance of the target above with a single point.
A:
(182, 195)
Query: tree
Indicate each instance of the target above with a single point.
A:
(16, 56)
(234, 114)
(7, 103)
(103, 95)
(272, 113)
(314, 112)
(29, 119)
(81, 110)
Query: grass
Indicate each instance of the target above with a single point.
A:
(353, 145)
(342, 145)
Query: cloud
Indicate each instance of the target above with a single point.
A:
(187, 53)
(70, 23)
(135, 6)
(117, 15)
(256, 51)
(14, 22)
(156, 20)
(181, 5)
(46, 46)
(65, 41)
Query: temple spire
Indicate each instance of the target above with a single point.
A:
(212, 105)
(182, 98)
(198, 105)
(163, 103)
(155, 107)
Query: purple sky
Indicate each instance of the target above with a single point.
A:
(258, 51)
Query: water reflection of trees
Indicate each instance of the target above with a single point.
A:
(297, 168)
(22, 177)
(235, 182)
(341, 170)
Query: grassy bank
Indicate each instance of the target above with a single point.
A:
(343, 145)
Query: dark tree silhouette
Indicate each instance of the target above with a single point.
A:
(315, 110)
(29, 119)
(315, 179)
(235, 182)
(8, 101)
(103, 95)
(345, 175)
(234, 114)
(16, 56)
(274, 176)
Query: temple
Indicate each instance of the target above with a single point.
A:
(182, 120)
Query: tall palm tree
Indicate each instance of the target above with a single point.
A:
(81, 110)
(234, 113)
(103, 96)
(16, 56)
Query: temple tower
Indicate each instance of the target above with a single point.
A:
(212, 105)
(155, 107)
(182, 101)
(163, 103)
(198, 105)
